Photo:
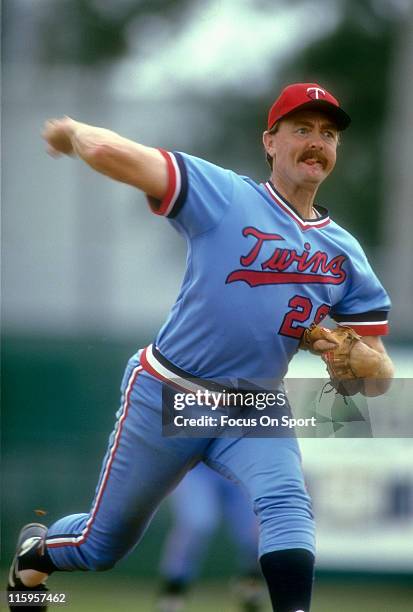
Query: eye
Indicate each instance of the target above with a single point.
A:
(302, 130)
(329, 134)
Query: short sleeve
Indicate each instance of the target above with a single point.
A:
(198, 194)
(365, 305)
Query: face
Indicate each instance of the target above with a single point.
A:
(304, 148)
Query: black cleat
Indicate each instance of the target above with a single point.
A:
(31, 539)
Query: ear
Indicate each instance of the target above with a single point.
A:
(268, 142)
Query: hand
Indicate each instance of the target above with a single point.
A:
(58, 135)
(324, 343)
(366, 362)
(323, 346)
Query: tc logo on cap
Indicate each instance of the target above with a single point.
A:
(315, 92)
(311, 96)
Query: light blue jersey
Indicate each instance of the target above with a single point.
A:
(257, 275)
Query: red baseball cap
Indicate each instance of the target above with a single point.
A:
(307, 95)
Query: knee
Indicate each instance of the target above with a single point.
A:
(101, 564)
(99, 559)
(293, 501)
(285, 522)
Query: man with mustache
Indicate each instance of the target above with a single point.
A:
(234, 325)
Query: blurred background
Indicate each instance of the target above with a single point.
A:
(88, 274)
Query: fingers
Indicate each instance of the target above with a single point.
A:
(326, 356)
(57, 134)
(322, 346)
(52, 126)
(53, 152)
(318, 333)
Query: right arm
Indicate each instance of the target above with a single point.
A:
(110, 154)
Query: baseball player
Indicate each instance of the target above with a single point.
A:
(264, 262)
(198, 503)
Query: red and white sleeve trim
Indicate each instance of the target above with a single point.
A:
(165, 206)
(368, 328)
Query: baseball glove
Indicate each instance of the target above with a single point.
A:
(349, 362)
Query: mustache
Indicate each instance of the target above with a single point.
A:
(314, 154)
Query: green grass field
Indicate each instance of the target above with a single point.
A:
(114, 593)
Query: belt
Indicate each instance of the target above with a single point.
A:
(161, 368)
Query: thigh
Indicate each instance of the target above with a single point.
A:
(139, 469)
(141, 465)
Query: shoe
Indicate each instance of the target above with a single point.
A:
(29, 539)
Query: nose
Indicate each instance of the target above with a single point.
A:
(316, 141)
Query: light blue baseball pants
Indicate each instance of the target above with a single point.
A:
(141, 467)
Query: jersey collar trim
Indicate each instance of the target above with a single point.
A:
(304, 224)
